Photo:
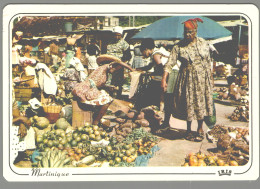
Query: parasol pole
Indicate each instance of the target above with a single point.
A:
(239, 33)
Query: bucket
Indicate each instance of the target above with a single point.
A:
(68, 26)
(69, 55)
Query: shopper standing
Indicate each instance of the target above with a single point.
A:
(192, 97)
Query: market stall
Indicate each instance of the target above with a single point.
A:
(64, 133)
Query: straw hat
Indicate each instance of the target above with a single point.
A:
(118, 29)
(106, 59)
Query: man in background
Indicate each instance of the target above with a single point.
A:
(120, 48)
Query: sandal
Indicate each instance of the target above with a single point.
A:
(190, 137)
(160, 131)
(199, 137)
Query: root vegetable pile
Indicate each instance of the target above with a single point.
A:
(241, 113)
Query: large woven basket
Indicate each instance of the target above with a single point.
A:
(52, 111)
(26, 81)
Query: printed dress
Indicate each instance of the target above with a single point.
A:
(192, 97)
(71, 77)
(89, 91)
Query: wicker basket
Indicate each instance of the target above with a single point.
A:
(52, 112)
(26, 81)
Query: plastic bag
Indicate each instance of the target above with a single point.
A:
(211, 120)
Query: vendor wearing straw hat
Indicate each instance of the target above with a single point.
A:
(90, 91)
(119, 48)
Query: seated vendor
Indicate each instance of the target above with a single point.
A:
(89, 91)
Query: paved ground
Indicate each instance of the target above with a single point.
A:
(174, 148)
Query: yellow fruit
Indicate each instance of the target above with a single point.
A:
(98, 138)
(108, 148)
(220, 162)
(129, 160)
(103, 133)
(193, 161)
(127, 146)
(132, 150)
(132, 157)
(186, 165)
(96, 133)
(111, 162)
(191, 154)
(87, 124)
(233, 163)
(92, 136)
(202, 164)
(201, 156)
(215, 158)
(128, 153)
(80, 128)
(117, 159)
(95, 127)
(153, 144)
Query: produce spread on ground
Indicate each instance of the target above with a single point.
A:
(126, 137)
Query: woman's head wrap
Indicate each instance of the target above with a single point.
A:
(192, 23)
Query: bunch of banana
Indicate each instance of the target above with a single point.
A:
(53, 159)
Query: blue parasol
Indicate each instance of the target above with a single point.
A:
(172, 28)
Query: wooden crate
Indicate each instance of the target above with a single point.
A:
(81, 113)
(23, 94)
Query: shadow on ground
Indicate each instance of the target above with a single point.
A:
(173, 134)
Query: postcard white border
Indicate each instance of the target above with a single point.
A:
(247, 172)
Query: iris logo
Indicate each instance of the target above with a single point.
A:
(225, 172)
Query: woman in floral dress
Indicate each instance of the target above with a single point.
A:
(89, 91)
(192, 97)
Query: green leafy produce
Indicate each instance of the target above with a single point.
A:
(139, 133)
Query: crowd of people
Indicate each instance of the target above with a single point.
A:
(181, 78)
